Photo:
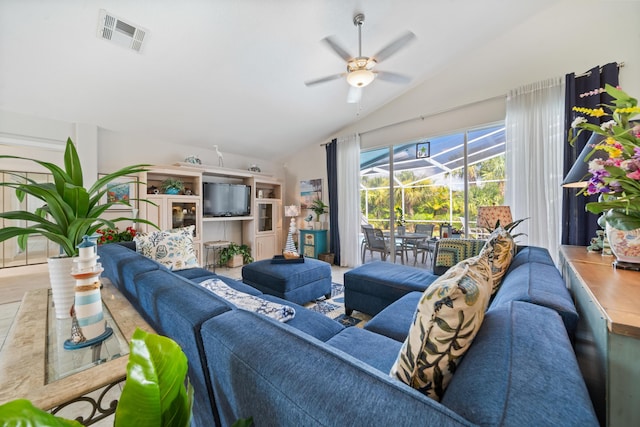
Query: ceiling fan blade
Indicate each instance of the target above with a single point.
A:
(394, 46)
(339, 50)
(392, 77)
(324, 79)
(355, 95)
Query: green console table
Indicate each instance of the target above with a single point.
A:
(313, 242)
(608, 337)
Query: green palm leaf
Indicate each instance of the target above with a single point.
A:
(22, 413)
(154, 393)
(70, 210)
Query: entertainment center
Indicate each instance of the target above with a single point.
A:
(221, 203)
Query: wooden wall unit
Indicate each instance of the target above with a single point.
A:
(261, 231)
(173, 210)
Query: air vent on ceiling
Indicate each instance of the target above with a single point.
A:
(120, 32)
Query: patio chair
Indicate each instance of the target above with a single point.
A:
(363, 243)
(426, 246)
(376, 242)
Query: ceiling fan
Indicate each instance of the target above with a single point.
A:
(360, 69)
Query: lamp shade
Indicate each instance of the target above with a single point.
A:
(579, 173)
(488, 216)
(291, 211)
(360, 78)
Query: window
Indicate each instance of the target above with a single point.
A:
(435, 180)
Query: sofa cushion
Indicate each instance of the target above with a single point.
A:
(531, 254)
(395, 320)
(375, 350)
(199, 274)
(122, 266)
(309, 383)
(279, 312)
(308, 321)
(500, 250)
(447, 319)
(540, 284)
(171, 248)
(521, 358)
(176, 307)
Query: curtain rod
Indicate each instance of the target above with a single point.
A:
(426, 116)
(619, 64)
(437, 113)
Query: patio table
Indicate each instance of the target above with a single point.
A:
(407, 238)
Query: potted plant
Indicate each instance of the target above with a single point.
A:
(319, 207)
(70, 211)
(235, 255)
(172, 186)
(614, 165)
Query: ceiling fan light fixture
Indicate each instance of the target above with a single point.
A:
(360, 78)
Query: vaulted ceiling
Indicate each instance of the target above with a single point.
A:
(231, 72)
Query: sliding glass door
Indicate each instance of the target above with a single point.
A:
(435, 180)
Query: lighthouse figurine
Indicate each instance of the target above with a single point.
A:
(88, 325)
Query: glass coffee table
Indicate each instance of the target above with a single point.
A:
(34, 364)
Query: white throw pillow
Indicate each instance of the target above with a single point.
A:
(171, 248)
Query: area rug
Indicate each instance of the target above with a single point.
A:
(334, 308)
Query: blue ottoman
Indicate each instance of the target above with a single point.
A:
(371, 287)
(296, 282)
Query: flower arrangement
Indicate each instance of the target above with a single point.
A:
(110, 235)
(617, 178)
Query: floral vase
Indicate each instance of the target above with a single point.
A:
(625, 244)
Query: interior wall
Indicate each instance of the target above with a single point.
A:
(32, 137)
(473, 90)
(117, 149)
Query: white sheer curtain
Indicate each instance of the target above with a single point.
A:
(348, 158)
(534, 150)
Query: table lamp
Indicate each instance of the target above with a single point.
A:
(291, 211)
(488, 216)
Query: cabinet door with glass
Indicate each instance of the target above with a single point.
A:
(266, 217)
(185, 211)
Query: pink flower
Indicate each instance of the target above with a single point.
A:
(634, 175)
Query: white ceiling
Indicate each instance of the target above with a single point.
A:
(229, 72)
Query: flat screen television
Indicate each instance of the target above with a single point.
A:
(220, 199)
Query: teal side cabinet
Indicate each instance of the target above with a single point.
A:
(313, 242)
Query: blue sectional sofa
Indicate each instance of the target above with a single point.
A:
(311, 371)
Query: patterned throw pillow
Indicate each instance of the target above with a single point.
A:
(500, 250)
(446, 321)
(279, 312)
(171, 248)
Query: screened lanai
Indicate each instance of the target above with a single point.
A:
(436, 180)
